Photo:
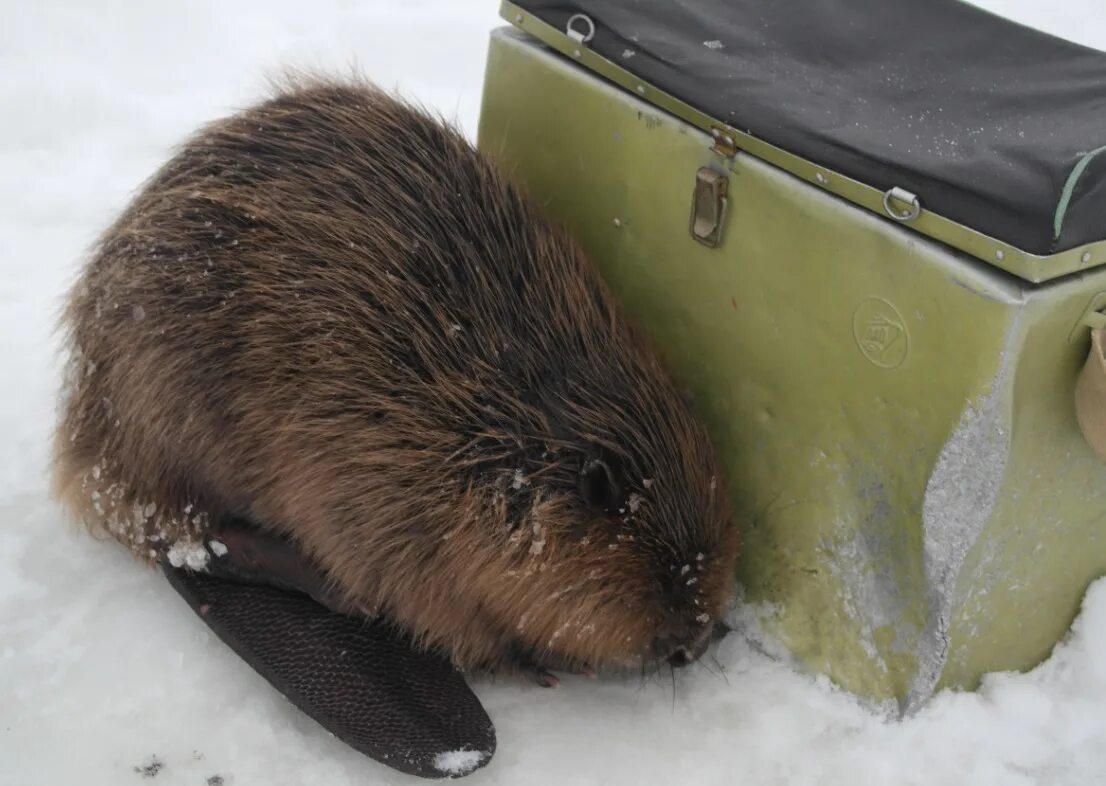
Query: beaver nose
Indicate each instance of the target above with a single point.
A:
(681, 657)
(681, 651)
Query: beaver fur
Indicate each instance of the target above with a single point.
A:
(329, 315)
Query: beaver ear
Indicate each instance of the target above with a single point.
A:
(601, 487)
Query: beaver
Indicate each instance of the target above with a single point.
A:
(331, 317)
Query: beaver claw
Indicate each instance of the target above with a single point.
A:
(540, 672)
(545, 679)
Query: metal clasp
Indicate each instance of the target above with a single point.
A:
(708, 206)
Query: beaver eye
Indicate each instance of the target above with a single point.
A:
(600, 487)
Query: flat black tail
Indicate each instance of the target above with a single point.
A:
(362, 680)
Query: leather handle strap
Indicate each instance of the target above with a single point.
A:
(1090, 395)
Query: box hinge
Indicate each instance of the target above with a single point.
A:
(708, 206)
(724, 142)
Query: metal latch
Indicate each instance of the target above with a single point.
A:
(708, 206)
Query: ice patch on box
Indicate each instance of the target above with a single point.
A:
(960, 497)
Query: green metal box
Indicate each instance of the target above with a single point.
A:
(895, 415)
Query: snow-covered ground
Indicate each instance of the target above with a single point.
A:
(105, 674)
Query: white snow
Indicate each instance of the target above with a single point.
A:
(104, 670)
(458, 762)
(189, 553)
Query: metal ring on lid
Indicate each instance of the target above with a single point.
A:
(576, 35)
(906, 197)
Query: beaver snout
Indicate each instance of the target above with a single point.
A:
(682, 650)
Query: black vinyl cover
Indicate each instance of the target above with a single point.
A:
(994, 125)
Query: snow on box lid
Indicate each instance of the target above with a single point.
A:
(998, 129)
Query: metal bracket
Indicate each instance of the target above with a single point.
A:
(708, 206)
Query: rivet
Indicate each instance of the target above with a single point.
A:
(641, 89)
(1086, 257)
(1000, 254)
(576, 53)
(617, 223)
(820, 178)
(519, 18)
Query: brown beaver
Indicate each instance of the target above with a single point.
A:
(330, 316)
